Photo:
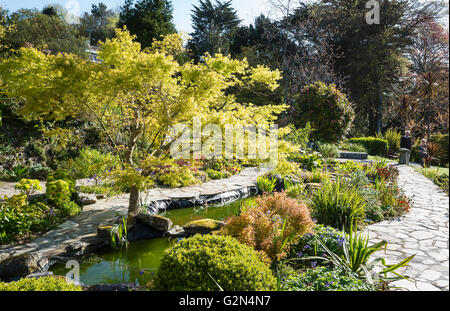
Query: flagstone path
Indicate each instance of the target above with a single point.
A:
(424, 231)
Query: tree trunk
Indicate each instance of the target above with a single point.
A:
(379, 109)
(134, 200)
(134, 191)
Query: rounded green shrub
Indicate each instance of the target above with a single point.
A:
(70, 208)
(62, 174)
(329, 150)
(327, 109)
(48, 283)
(58, 192)
(211, 263)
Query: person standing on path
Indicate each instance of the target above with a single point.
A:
(406, 143)
(423, 152)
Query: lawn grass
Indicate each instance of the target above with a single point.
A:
(378, 158)
(433, 169)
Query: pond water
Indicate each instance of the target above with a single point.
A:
(139, 262)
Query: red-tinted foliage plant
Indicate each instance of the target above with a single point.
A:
(271, 224)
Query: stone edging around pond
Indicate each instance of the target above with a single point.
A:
(78, 236)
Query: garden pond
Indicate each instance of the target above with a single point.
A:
(140, 260)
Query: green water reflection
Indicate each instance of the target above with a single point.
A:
(140, 261)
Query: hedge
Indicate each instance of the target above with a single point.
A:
(373, 145)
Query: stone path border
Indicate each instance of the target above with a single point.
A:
(424, 231)
(78, 235)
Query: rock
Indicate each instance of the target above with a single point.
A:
(86, 245)
(177, 232)
(23, 265)
(141, 231)
(312, 186)
(202, 226)
(104, 232)
(85, 198)
(155, 221)
(353, 155)
(100, 196)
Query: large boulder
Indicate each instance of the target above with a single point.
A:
(23, 265)
(140, 231)
(155, 221)
(83, 199)
(202, 226)
(144, 226)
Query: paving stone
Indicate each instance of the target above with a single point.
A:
(430, 275)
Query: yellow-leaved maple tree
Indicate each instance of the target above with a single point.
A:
(135, 94)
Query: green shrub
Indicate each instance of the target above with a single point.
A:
(213, 174)
(352, 147)
(17, 217)
(38, 171)
(393, 138)
(338, 205)
(28, 186)
(293, 190)
(70, 208)
(58, 192)
(373, 145)
(92, 163)
(48, 283)
(178, 177)
(328, 110)
(329, 150)
(349, 167)
(358, 179)
(442, 182)
(16, 173)
(172, 173)
(307, 160)
(299, 136)
(324, 279)
(317, 176)
(63, 174)
(266, 184)
(106, 189)
(205, 262)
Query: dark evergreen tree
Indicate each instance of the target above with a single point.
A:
(147, 19)
(213, 24)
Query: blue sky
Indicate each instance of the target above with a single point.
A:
(247, 9)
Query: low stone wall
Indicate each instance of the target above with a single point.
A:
(353, 155)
